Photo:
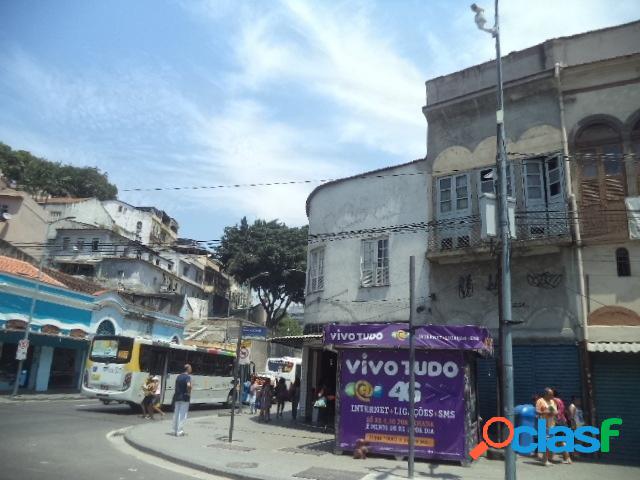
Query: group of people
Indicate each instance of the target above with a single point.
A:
(151, 402)
(552, 409)
(263, 393)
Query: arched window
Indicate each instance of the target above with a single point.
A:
(602, 170)
(139, 226)
(106, 327)
(623, 263)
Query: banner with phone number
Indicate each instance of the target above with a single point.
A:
(374, 402)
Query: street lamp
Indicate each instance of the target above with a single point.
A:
(505, 236)
(34, 299)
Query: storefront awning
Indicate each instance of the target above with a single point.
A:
(298, 341)
(614, 347)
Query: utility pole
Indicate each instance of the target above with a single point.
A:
(236, 372)
(505, 237)
(412, 365)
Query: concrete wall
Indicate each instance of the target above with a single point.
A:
(90, 212)
(355, 204)
(28, 223)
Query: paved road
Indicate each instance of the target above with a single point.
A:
(66, 440)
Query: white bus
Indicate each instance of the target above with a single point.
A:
(118, 366)
(286, 367)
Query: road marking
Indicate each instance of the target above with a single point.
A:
(116, 438)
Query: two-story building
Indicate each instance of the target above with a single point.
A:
(572, 111)
(357, 271)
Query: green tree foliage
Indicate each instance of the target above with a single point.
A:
(287, 326)
(43, 178)
(272, 257)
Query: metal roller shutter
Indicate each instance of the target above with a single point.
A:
(534, 367)
(616, 384)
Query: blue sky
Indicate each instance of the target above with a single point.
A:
(164, 93)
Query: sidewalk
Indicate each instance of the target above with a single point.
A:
(40, 397)
(281, 450)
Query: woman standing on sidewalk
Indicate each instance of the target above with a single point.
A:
(266, 399)
(281, 396)
(253, 394)
(294, 396)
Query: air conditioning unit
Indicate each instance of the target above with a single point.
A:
(489, 216)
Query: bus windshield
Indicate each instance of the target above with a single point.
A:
(111, 349)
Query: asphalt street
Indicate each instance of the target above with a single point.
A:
(67, 440)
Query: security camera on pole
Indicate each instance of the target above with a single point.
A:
(505, 238)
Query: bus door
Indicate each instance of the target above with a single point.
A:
(154, 361)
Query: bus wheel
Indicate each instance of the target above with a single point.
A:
(106, 402)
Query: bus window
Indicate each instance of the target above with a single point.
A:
(111, 349)
(209, 365)
(177, 360)
(196, 360)
(152, 359)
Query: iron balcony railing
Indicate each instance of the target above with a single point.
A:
(464, 234)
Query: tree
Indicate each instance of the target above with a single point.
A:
(272, 258)
(287, 326)
(43, 178)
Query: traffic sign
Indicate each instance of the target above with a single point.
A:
(23, 348)
(245, 356)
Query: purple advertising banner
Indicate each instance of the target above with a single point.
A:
(374, 402)
(384, 335)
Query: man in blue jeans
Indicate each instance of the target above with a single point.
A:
(181, 398)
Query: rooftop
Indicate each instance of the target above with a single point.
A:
(24, 269)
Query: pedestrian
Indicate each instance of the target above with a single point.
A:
(281, 396)
(253, 393)
(322, 405)
(148, 390)
(294, 396)
(547, 410)
(575, 414)
(561, 420)
(266, 399)
(181, 399)
(157, 400)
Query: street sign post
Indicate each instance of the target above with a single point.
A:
(250, 332)
(23, 348)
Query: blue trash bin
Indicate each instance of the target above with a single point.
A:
(526, 415)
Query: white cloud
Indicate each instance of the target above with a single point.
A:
(375, 92)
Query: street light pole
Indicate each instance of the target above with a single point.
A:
(505, 237)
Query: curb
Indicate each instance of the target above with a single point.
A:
(189, 464)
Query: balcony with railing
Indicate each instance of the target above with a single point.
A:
(477, 234)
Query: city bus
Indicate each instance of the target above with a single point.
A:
(118, 366)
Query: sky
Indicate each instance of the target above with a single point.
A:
(180, 93)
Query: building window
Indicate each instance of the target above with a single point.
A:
(55, 214)
(185, 270)
(80, 244)
(95, 245)
(375, 262)
(602, 172)
(106, 327)
(315, 280)
(120, 274)
(170, 266)
(623, 263)
(139, 226)
(157, 261)
(119, 208)
(453, 194)
(66, 242)
(4, 209)
(488, 179)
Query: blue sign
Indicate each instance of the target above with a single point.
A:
(254, 333)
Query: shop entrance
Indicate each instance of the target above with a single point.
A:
(63, 368)
(322, 372)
